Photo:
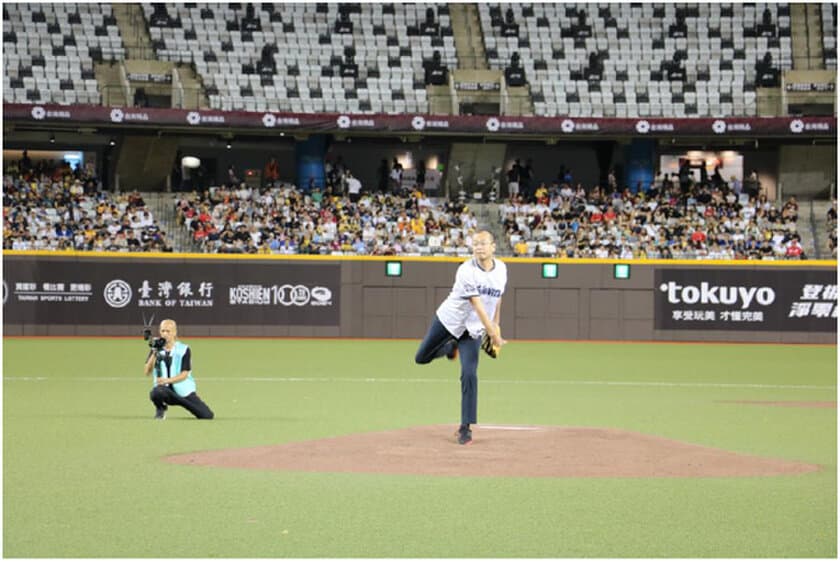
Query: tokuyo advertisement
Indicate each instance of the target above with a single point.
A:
(742, 299)
(223, 293)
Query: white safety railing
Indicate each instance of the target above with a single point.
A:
(177, 89)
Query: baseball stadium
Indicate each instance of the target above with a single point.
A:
(419, 280)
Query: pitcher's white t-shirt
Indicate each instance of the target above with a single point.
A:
(456, 313)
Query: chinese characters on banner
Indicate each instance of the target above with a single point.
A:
(819, 301)
(745, 299)
(122, 293)
(181, 292)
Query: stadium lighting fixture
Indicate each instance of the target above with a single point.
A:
(393, 269)
(228, 145)
(112, 142)
(621, 271)
(550, 271)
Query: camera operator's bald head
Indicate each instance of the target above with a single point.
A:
(168, 329)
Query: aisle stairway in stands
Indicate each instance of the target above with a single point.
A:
(819, 210)
(162, 206)
(138, 44)
(469, 44)
(110, 83)
(492, 222)
(186, 90)
(815, 36)
(476, 163)
(145, 161)
(194, 94)
(473, 67)
(807, 229)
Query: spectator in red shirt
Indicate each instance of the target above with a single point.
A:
(271, 172)
(200, 232)
(794, 250)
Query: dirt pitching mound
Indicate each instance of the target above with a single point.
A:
(519, 451)
(786, 404)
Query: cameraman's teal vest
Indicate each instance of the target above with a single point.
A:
(186, 386)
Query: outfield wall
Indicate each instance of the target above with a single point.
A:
(110, 294)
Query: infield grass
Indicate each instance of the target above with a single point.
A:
(82, 475)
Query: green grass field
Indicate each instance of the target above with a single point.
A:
(82, 475)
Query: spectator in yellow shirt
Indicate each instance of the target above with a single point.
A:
(542, 194)
(417, 226)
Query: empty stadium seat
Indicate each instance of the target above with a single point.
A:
(55, 46)
(383, 41)
(716, 46)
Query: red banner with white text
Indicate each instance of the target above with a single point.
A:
(416, 123)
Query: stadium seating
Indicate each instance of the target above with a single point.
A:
(384, 40)
(650, 59)
(828, 14)
(50, 50)
(611, 60)
(58, 209)
(716, 224)
(717, 46)
(52, 207)
(283, 219)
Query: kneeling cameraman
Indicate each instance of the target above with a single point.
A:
(173, 381)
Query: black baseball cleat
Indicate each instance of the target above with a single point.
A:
(160, 414)
(464, 436)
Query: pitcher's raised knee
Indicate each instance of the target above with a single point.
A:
(421, 359)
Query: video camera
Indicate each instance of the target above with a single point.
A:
(155, 343)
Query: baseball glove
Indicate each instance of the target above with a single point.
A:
(488, 347)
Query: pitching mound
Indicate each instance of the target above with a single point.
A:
(523, 451)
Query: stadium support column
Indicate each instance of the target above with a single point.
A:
(640, 159)
(309, 155)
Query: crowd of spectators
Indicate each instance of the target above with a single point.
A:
(52, 206)
(708, 220)
(282, 219)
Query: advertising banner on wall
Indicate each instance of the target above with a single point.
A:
(489, 126)
(222, 293)
(745, 300)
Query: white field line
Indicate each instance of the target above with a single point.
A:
(510, 427)
(368, 380)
